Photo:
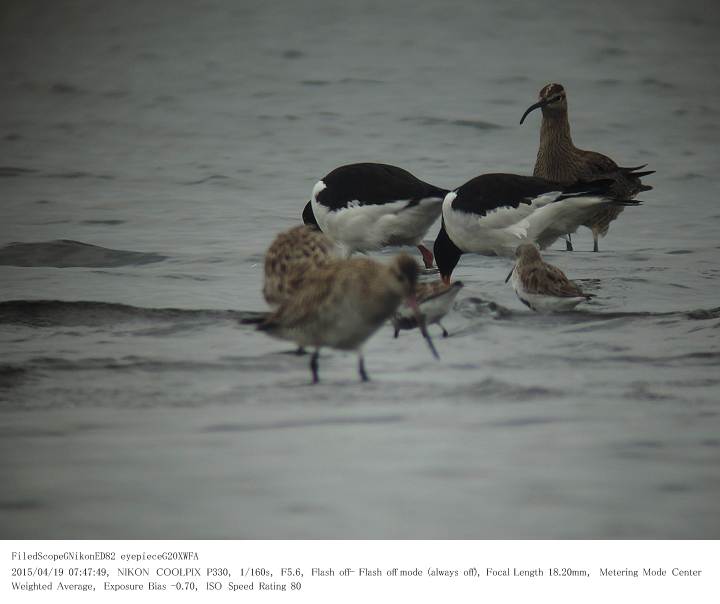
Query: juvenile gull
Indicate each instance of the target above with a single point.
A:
(558, 159)
(542, 286)
(342, 303)
(434, 301)
(369, 206)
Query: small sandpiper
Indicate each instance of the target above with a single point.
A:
(542, 286)
(434, 300)
(342, 303)
(367, 206)
(558, 159)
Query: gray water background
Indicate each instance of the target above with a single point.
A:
(168, 142)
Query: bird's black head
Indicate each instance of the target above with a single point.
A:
(551, 99)
(447, 254)
(308, 216)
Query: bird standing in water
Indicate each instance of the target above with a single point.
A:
(434, 300)
(559, 160)
(368, 206)
(493, 213)
(342, 303)
(542, 286)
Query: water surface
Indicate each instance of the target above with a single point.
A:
(151, 151)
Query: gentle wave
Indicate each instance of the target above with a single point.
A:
(64, 253)
(464, 123)
(51, 313)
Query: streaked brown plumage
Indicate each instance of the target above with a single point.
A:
(342, 303)
(558, 159)
(542, 286)
(291, 255)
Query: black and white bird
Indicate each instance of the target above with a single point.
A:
(494, 213)
(542, 286)
(367, 206)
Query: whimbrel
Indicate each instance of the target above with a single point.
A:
(558, 159)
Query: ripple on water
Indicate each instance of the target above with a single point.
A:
(55, 313)
(303, 423)
(497, 389)
(21, 505)
(63, 253)
(12, 171)
(442, 121)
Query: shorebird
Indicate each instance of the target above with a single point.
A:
(367, 206)
(542, 286)
(434, 300)
(342, 303)
(290, 256)
(558, 159)
(492, 214)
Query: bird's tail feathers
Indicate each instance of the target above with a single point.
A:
(625, 202)
(634, 171)
(600, 187)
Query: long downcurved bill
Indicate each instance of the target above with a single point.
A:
(420, 318)
(532, 108)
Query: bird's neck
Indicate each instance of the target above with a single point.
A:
(557, 151)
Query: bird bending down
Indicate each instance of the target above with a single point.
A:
(342, 303)
(434, 300)
(559, 160)
(542, 286)
(367, 206)
(494, 213)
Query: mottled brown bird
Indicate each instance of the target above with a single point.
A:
(342, 303)
(558, 159)
(288, 259)
(542, 286)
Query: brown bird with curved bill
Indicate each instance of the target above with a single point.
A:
(542, 286)
(558, 159)
(342, 303)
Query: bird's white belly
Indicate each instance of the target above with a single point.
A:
(371, 227)
(472, 234)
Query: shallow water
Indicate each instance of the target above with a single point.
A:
(151, 152)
